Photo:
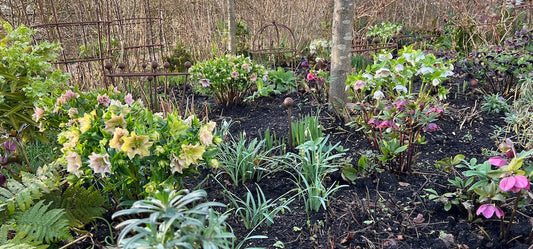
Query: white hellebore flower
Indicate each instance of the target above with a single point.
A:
(384, 57)
(398, 68)
(382, 72)
(368, 76)
(425, 70)
(378, 95)
(447, 74)
(400, 88)
(435, 82)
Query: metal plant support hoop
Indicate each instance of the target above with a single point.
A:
(274, 41)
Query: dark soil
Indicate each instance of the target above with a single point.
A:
(382, 210)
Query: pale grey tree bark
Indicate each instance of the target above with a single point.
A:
(342, 36)
(231, 26)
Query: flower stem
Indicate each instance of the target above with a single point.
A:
(506, 232)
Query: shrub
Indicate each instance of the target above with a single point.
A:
(229, 79)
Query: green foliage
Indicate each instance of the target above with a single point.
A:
(229, 79)
(173, 219)
(306, 129)
(180, 54)
(81, 204)
(17, 195)
(257, 210)
(360, 62)
(494, 103)
(25, 76)
(315, 161)
(278, 81)
(384, 32)
(243, 160)
(43, 224)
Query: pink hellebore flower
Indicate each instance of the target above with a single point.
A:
(388, 123)
(128, 99)
(103, 100)
(69, 94)
(514, 183)
(439, 110)
(311, 76)
(205, 82)
(253, 77)
(359, 85)
(305, 64)
(234, 74)
(488, 210)
(37, 114)
(498, 161)
(400, 105)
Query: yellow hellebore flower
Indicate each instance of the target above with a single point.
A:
(190, 154)
(118, 138)
(136, 145)
(114, 122)
(85, 123)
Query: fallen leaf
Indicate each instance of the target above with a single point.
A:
(448, 239)
(419, 219)
(404, 184)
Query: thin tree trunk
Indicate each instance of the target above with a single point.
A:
(231, 26)
(342, 36)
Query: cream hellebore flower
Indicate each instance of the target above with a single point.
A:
(176, 164)
(73, 163)
(115, 122)
(72, 112)
(136, 145)
(118, 138)
(100, 163)
(206, 133)
(378, 95)
(71, 138)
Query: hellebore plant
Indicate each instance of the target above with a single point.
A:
(508, 178)
(392, 115)
(129, 150)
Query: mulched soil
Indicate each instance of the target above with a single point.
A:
(379, 211)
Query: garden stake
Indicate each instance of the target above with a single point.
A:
(288, 102)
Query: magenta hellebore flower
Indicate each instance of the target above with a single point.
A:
(439, 110)
(10, 145)
(432, 127)
(488, 210)
(305, 64)
(311, 76)
(373, 121)
(514, 183)
(498, 161)
(400, 105)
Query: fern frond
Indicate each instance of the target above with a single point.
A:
(21, 195)
(42, 224)
(81, 204)
(20, 241)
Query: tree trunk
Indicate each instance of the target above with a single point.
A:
(340, 53)
(231, 26)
